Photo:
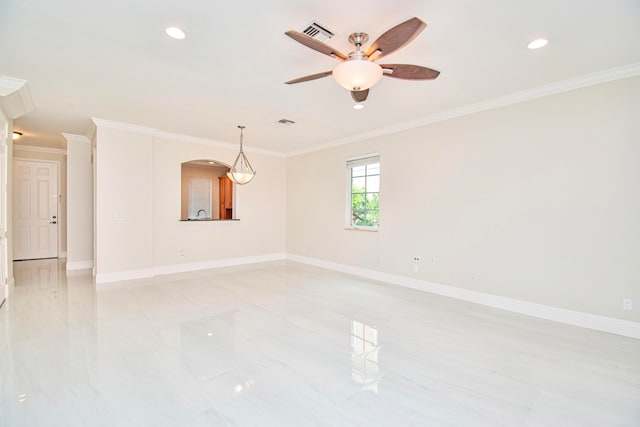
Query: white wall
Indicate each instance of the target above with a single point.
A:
(259, 206)
(124, 201)
(537, 201)
(138, 198)
(15, 101)
(79, 203)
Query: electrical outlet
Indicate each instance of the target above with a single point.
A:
(432, 260)
(627, 304)
(416, 268)
(181, 253)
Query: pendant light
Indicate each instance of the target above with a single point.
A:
(241, 172)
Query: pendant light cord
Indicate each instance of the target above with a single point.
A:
(241, 136)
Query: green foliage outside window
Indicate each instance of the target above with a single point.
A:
(365, 196)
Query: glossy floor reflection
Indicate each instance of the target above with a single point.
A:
(284, 344)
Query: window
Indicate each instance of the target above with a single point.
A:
(199, 198)
(364, 188)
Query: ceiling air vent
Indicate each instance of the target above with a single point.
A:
(286, 122)
(318, 32)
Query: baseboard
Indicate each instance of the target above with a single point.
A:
(79, 265)
(183, 268)
(575, 318)
(218, 263)
(119, 276)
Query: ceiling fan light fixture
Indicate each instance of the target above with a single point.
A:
(358, 106)
(357, 74)
(16, 135)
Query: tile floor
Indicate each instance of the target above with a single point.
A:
(283, 344)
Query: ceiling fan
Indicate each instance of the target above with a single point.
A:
(357, 72)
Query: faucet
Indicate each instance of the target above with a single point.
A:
(198, 214)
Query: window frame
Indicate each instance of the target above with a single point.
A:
(362, 160)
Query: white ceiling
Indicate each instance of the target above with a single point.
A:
(112, 60)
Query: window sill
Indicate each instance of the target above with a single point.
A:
(369, 229)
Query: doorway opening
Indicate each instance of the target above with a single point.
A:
(207, 192)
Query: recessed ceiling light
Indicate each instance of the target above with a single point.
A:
(358, 106)
(175, 32)
(16, 135)
(538, 43)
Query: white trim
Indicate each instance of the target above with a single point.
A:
(362, 157)
(181, 138)
(8, 85)
(363, 160)
(36, 149)
(123, 275)
(218, 263)
(216, 143)
(58, 164)
(123, 126)
(79, 265)
(183, 268)
(77, 138)
(575, 318)
(15, 106)
(503, 101)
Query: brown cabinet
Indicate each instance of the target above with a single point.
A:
(226, 198)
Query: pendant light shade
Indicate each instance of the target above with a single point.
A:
(241, 172)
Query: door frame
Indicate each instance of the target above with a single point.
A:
(58, 164)
(5, 179)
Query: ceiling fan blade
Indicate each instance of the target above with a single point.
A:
(409, 72)
(395, 38)
(315, 44)
(359, 95)
(309, 77)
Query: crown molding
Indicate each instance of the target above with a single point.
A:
(8, 85)
(180, 137)
(627, 71)
(15, 97)
(76, 138)
(111, 124)
(216, 143)
(37, 149)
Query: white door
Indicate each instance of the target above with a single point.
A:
(35, 210)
